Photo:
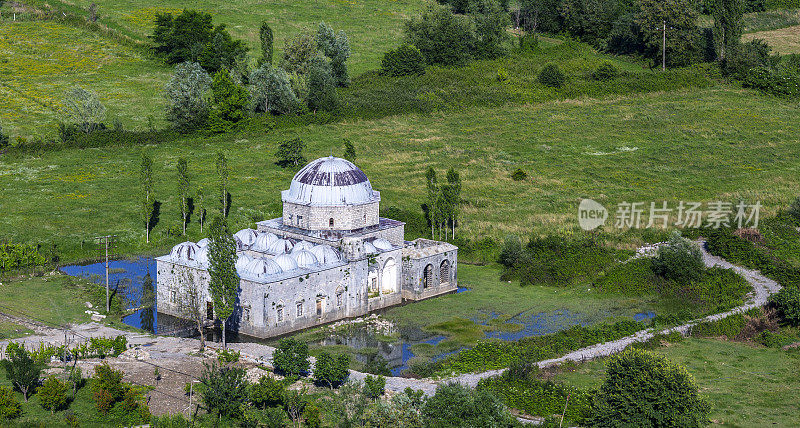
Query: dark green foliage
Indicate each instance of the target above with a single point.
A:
(728, 24)
(337, 48)
(606, 71)
(10, 408)
(322, 94)
(229, 100)
(455, 405)
(4, 139)
(794, 210)
(290, 153)
(679, 260)
(221, 52)
(266, 37)
(541, 16)
(224, 390)
(291, 357)
(519, 175)
(403, 60)
(224, 281)
(349, 151)
(272, 91)
(267, 392)
(108, 382)
(592, 21)
(511, 254)
(551, 76)
(682, 35)
(176, 420)
(53, 394)
(743, 57)
(442, 37)
(729, 327)
(645, 389)
(787, 301)
(374, 386)
(633, 277)
(331, 371)
(773, 80)
(490, 22)
(376, 365)
(21, 369)
(16, 256)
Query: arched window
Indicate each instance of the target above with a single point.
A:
(330, 222)
(389, 277)
(427, 279)
(444, 272)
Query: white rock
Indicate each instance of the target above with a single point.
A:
(89, 305)
(98, 317)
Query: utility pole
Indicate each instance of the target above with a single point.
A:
(106, 243)
(664, 47)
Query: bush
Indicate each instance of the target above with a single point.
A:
(4, 139)
(679, 260)
(291, 357)
(108, 387)
(787, 301)
(21, 369)
(229, 99)
(187, 107)
(10, 408)
(456, 405)
(374, 386)
(224, 390)
(519, 175)
(646, 389)
(267, 392)
(511, 254)
(552, 76)
(53, 394)
(728, 327)
(442, 37)
(743, 57)
(322, 94)
(331, 371)
(794, 210)
(404, 60)
(290, 153)
(540, 398)
(605, 71)
(271, 91)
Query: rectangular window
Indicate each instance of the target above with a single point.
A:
(279, 314)
(299, 310)
(338, 299)
(246, 314)
(299, 220)
(173, 296)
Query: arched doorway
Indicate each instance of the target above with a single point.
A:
(389, 277)
(427, 278)
(444, 272)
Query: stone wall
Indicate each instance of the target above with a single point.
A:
(346, 217)
(418, 286)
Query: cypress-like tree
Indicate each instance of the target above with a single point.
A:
(728, 24)
(222, 174)
(265, 34)
(224, 281)
(148, 200)
(201, 206)
(183, 189)
(454, 196)
(433, 199)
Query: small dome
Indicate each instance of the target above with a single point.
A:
(325, 254)
(242, 262)
(305, 258)
(280, 246)
(263, 242)
(262, 267)
(202, 256)
(202, 243)
(302, 245)
(286, 262)
(382, 244)
(369, 248)
(247, 236)
(185, 251)
(330, 182)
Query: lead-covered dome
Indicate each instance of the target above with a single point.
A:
(330, 181)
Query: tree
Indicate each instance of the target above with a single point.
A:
(183, 189)
(374, 386)
(679, 260)
(272, 90)
(433, 198)
(551, 76)
(224, 389)
(298, 53)
(201, 206)
(541, 16)
(10, 408)
(680, 17)
(229, 99)
(224, 283)
(322, 93)
(186, 93)
(453, 196)
(331, 371)
(442, 37)
(20, 368)
(404, 60)
(291, 357)
(290, 153)
(148, 200)
(490, 21)
(646, 389)
(337, 48)
(456, 405)
(4, 140)
(183, 37)
(191, 301)
(265, 35)
(349, 151)
(295, 403)
(84, 109)
(221, 52)
(728, 24)
(222, 175)
(267, 392)
(147, 301)
(53, 394)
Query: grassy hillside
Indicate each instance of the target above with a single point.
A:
(373, 26)
(783, 40)
(700, 145)
(41, 61)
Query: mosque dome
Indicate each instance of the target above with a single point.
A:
(302, 245)
(242, 262)
(246, 236)
(286, 262)
(185, 251)
(305, 258)
(202, 243)
(330, 181)
(202, 256)
(325, 254)
(261, 267)
(263, 241)
(382, 244)
(280, 246)
(369, 248)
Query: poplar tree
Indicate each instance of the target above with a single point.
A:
(201, 206)
(454, 196)
(148, 200)
(224, 281)
(183, 189)
(265, 34)
(433, 199)
(222, 173)
(728, 24)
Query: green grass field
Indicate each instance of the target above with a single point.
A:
(54, 300)
(746, 385)
(10, 330)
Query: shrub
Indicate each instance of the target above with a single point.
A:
(540, 398)
(552, 76)
(229, 99)
(291, 357)
(456, 405)
(21, 369)
(519, 175)
(84, 108)
(267, 392)
(53, 394)
(605, 71)
(679, 260)
(671, 397)
(404, 60)
(743, 57)
(186, 91)
(729, 327)
(108, 387)
(322, 93)
(224, 389)
(271, 90)
(502, 75)
(374, 386)
(794, 209)
(4, 140)
(290, 153)
(10, 408)
(331, 371)
(511, 254)
(226, 356)
(442, 37)
(787, 301)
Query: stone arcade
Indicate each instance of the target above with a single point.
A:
(329, 257)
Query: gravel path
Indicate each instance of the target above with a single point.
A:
(161, 349)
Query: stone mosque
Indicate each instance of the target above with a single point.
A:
(329, 257)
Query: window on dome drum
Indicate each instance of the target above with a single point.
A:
(427, 279)
(279, 313)
(299, 310)
(330, 222)
(444, 272)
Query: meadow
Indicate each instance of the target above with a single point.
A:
(782, 41)
(745, 384)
